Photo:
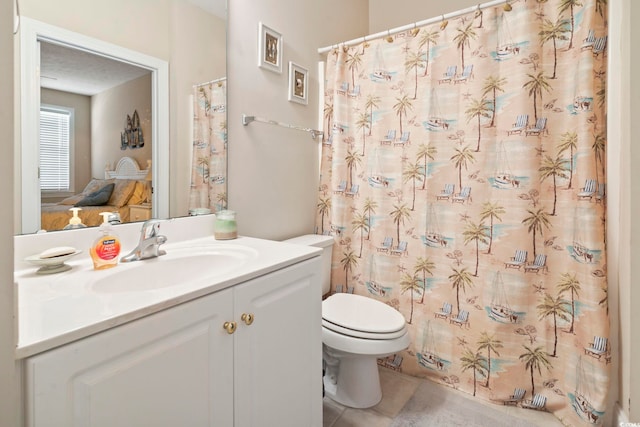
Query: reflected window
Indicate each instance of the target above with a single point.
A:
(56, 136)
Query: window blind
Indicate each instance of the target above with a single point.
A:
(54, 149)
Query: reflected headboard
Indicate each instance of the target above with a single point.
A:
(127, 168)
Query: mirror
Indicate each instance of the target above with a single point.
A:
(39, 38)
(169, 177)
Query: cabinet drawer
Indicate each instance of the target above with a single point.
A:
(139, 213)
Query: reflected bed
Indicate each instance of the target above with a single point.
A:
(123, 187)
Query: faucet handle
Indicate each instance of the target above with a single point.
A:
(150, 228)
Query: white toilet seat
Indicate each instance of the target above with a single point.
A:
(362, 346)
(359, 325)
(363, 335)
(362, 317)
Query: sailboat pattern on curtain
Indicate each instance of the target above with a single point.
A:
(463, 177)
(209, 164)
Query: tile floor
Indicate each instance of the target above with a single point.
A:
(397, 390)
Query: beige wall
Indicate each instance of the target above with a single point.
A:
(9, 392)
(139, 25)
(109, 110)
(385, 14)
(618, 247)
(81, 105)
(272, 170)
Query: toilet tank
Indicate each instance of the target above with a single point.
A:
(326, 244)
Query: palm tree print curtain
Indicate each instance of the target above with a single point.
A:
(463, 177)
(209, 165)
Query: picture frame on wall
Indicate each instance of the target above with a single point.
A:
(298, 83)
(269, 49)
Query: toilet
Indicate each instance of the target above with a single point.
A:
(356, 331)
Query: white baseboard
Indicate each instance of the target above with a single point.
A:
(619, 416)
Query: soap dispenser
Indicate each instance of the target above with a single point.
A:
(106, 248)
(75, 221)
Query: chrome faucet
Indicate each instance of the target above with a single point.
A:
(149, 244)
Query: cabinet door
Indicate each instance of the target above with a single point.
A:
(173, 368)
(278, 358)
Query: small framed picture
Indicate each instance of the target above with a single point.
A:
(269, 49)
(298, 82)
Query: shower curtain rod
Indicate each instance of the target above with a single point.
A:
(414, 25)
(209, 82)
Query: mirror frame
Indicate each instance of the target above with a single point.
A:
(33, 31)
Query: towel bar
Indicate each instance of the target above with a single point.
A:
(248, 119)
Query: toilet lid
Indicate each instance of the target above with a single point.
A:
(361, 314)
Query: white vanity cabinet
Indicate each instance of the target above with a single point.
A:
(181, 367)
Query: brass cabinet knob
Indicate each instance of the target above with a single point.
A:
(230, 327)
(247, 318)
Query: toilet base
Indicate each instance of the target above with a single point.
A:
(358, 382)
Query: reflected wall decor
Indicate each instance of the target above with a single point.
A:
(132, 137)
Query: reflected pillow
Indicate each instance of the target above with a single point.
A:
(138, 195)
(122, 192)
(97, 198)
(94, 185)
(70, 201)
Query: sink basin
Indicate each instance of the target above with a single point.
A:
(178, 267)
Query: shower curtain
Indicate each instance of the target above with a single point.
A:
(209, 164)
(463, 177)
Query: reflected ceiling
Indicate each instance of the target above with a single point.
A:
(83, 73)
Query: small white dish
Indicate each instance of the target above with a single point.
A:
(52, 265)
(199, 211)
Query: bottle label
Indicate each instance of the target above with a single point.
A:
(108, 249)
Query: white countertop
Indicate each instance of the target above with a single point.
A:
(60, 308)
